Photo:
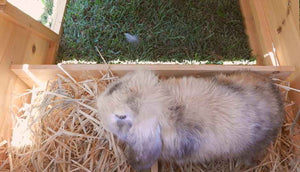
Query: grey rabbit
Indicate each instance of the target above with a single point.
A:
(188, 119)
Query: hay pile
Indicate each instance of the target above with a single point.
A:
(59, 131)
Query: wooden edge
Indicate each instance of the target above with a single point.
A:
(250, 31)
(263, 29)
(52, 53)
(165, 67)
(24, 20)
(295, 13)
(59, 11)
(154, 167)
(38, 74)
(57, 23)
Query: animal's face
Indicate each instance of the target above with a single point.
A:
(118, 108)
(130, 108)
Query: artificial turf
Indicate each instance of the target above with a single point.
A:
(168, 30)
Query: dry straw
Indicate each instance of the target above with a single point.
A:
(59, 131)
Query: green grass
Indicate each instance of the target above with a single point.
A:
(168, 30)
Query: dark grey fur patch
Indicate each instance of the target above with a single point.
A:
(265, 133)
(177, 112)
(142, 154)
(123, 126)
(132, 102)
(228, 84)
(278, 97)
(144, 162)
(114, 87)
(257, 128)
(187, 131)
(188, 142)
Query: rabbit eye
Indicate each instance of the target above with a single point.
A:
(120, 116)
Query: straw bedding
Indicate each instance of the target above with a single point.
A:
(59, 131)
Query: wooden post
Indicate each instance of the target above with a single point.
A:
(58, 15)
(251, 31)
(154, 167)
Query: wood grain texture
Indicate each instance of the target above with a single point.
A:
(20, 18)
(295, 12)
(277, 34)
(263, 30)
(35, 74)
(251, 31)
(285, 36)
(58, 15)
(19, 44)
(2, 2)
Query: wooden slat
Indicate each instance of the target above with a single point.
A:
(19, 45)
(22, 19)
(37, 74)
(58, 15)
(285, 36)
(154, 167)
(52, 53)
(277, 27)
(263, 30)
(295, 12)
(2, 2)
(250, 29)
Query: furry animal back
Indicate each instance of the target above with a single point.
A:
(234, 115)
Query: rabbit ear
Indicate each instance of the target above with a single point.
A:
(143, 148)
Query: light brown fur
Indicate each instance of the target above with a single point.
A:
(192, 119)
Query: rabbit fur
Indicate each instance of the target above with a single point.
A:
(190, 119)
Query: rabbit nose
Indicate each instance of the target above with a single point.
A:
(120, 116)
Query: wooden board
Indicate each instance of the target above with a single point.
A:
(277, 26)
(58, 15)
(273, 26)
(295, 12)
(15, 47)
(2, 2)
(154, 167)
(18, 19)
(285, 34)
(24, 20)
(22, 40)
(251, 31)
(38, 74)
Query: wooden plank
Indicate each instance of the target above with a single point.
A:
(58, 15)
(154, 167)
(263, 30)
(2, 2)
(10, 85)
(295, 12)
(57, 23)
(6, 30)
(285, 36)
(22, 19)
(52, 53)
(17, 45)
(20, 46)
(39, 74)
(251, 32)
